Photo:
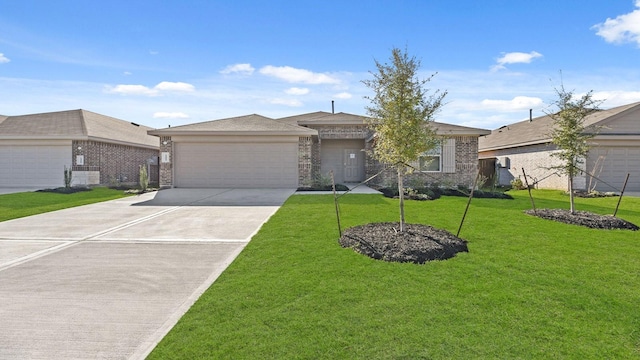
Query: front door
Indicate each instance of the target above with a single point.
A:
(353, 165)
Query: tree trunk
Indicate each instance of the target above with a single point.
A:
(401, 197)
(572, 205)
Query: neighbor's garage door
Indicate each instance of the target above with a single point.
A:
(615, 163)
(33, 165)
(244, 165)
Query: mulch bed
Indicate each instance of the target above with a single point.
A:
(66, 190)
(417, 244)
(584, 218)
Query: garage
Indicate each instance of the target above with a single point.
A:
(26, 164)
(236, 165)
(612, 164)
(250, 151)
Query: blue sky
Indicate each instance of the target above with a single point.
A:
(161, 63)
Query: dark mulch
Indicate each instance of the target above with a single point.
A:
(417, 244)
(584, 218)
(339, 187)
(435, 193)
(66, 190)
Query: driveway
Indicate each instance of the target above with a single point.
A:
(109, 280)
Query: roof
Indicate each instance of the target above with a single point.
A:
(253, 124)
(538, 130)
(341, 118)
(76, 125)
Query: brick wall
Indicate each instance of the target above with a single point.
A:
(536, 161)
(116, 163)
(166, 169)
(466, 161)
(305, 156)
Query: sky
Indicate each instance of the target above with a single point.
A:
(169, 63)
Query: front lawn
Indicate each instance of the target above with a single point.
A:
(18, 205)
(529, 288)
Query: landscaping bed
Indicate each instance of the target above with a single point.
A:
(584, 218)
(418, 243)
(432, 193)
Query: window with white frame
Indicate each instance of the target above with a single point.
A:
(430, 161)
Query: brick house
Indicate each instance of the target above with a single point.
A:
(615, 152)
(255, 151)
(35, 149)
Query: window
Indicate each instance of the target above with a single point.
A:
(430, 161)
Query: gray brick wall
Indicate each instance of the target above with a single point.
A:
(536, 161)
(116, 163)
(466, 157)
(166, 169)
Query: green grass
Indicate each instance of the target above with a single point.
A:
(18, 205)
(528, 289)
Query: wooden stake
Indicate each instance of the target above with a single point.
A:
(526, 182)
(468, 203)
(621, 193)
(335, 201)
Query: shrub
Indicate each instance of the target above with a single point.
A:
(144, 178)
(68, 175)
(517, 184)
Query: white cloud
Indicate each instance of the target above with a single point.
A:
(616, 98)
(244, 69)
(3, 59)
(127, 73)
(153, 52)
(287, 102)
(293, 75)
(155, 91)
(518, 103)
(515, 58)
(174, 86)
(132, 90)
(297, 91)
(170, 115)
(343, 95)
(624, 28)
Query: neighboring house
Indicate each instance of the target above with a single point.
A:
(35, 149)
(256, 151)
(615, 152)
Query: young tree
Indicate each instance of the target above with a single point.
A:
(570, 135)
(400, 113)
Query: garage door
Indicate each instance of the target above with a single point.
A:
(613, 166)
(33, 165)
(238, 165)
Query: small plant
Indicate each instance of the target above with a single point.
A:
(322, 181)
(517, 184)
(144, 178)
(68, 175)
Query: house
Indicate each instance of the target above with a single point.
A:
(615, 152)
(256, 151)
(36, 148)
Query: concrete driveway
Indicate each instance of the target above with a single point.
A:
(109, 280)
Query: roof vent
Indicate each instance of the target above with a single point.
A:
(530, 115)
(134, 124)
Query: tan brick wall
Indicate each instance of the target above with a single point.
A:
(116, 163)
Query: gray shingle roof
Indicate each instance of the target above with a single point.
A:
(242, 125)
(76, 125)
(325, 118)
(538, 130)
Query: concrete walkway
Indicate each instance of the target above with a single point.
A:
(109, 280)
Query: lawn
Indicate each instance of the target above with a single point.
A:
(18, 205)
(529, 288)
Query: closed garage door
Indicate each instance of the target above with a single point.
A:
(238, 165)
(613, 166)
(33, 165)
